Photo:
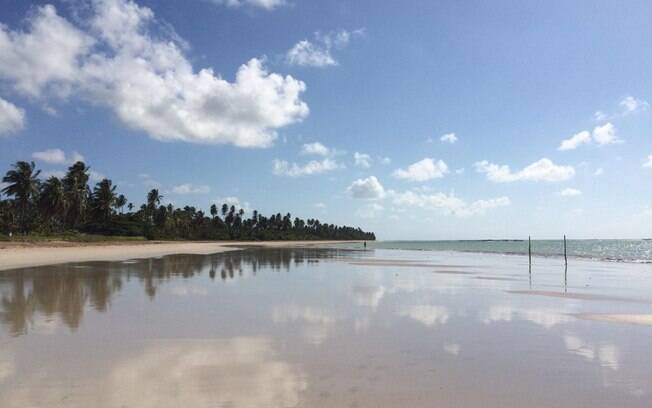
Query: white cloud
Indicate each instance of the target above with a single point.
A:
(648, 162)
(188, 188)
(283, 168)
(449, 138)
(424, 170)
(362, 160)
(321, 206)
(234, 201)
(46, 56)
(317, 149)
(12, 118)
(123, 60)
(318, 53)
(541, 170)
(601, 135)
(575, 141)
(570, 192)
(599, 171)
(57, 156)
(605, 134)
(264, 4)
(449, 204)
(368, 188)
(630, 104)
(52, 156)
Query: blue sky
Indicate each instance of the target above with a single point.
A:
(337, 110)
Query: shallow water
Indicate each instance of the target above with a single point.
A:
(622, 250)
(327, 328)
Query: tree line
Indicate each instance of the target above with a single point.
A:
(68, 204)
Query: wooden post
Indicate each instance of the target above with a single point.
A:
(529, 251)
(565, 266)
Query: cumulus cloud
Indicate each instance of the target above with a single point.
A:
(449, 138)
(318, 53)
(448, 204)
(605, 134)
(362, 160)
(123, 60)
(630, 104)
(541, 170)
(424, 170)
(188, 188)
(264, 4)
(368, 189)
(599, 171)
(601, 135)
(575, 141)
(12, 118)
(284, 168)
(317, 149)
(234, 201)
(57, 156)
(570, 192)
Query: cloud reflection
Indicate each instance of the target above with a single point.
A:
(236, 372)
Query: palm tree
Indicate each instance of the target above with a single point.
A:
(213, 211)
(120, 202)
(153, 199)
(104, 199)
(77, 193)
(52, 200)
(225, 209)
(24, 187)
(130, 207)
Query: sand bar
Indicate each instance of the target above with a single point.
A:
(20, 256)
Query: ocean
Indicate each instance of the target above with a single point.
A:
(618, 250)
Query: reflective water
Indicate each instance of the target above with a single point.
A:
(327, 328)
(622, 250)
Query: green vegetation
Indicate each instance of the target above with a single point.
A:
(68, 208)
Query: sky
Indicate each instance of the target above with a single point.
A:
(415, 120)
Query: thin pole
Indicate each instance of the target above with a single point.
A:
(529, 251)
(565, 266)
(529, 254)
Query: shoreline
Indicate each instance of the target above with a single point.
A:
(53, 253)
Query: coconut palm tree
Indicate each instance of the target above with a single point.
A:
(153, 199)
(77, 193)
(120, 202)
(103, 200)
(52, 201)
(23, 186)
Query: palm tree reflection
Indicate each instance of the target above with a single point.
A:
(64, 292)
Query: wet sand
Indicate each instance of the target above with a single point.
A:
(310, 327)
(50, 253)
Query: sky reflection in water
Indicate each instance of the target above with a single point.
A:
(325, 328)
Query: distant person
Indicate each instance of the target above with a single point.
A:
(365, 244)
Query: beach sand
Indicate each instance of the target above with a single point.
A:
(22, 255)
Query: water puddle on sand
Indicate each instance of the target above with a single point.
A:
(326, 328)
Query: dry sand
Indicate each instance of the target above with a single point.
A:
(21, 256)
